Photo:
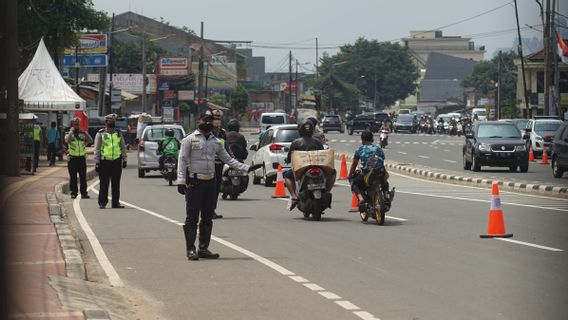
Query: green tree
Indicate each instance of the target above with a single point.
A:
(218, 99)
(239, 99)
(58, 22)
(380, 68)
(127, 56)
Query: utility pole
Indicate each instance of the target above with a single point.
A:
(520, 50)
(200, 76)
(290, 83)
(555, 73)
(12, 152)
(143, 72)
(547, 58)
(77, 66)
(296, 91)
(498, 104)
(317, 59)
(108, 110)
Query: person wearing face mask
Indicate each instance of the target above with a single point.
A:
(77, 140)
(196, 181)
(110, 159)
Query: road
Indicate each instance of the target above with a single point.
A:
(427, 262)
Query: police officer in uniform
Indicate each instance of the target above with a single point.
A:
(196, 180)
(76, 141)
(220, 134)
(110, 158)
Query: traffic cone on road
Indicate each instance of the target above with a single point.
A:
(531, 154)
(354, 203)
(544, 156)
(496, 226)
(279, 190)
(343, 171)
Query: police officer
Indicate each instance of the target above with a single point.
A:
(37, 145)
(220, 134)
(196, 180)
(76, 141)
(110, 158)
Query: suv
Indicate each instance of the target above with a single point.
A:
(559, 151)
(368, 121)
(541, 133)
(495, 144)
(406, 122)
(332, 123)
(148, 158)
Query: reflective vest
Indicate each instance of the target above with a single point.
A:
(77, 148)
(110, 146)
(37, 132)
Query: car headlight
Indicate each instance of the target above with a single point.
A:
(539, 138)
(484, 147)
(521, 148)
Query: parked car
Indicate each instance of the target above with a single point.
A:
(332, 123)
(271, 151)
(406, 122)
(541, 133)
(368, 121)
(559, 151)
(495, 144)
(271, 119)
(148, 158)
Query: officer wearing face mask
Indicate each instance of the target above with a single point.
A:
(196, 180)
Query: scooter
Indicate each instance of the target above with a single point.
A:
(452, 129)
(169, 172)
(378, 201)
(384, 138)
(313, 197)
(233, 183)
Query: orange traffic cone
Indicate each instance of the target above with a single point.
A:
(354, 203)
(531, 154)
(496, 226)
(544, 156)
(279, 190)
(343, 171)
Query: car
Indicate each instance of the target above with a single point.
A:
(521, 124)
(271, 151)
(479, 114)
(332, 123)
(148, 158)
(541, 133)
(268, 119)
(559, 151)
(404, 111)
(406, 122)
(446, 118)
(495, 144)
(368, 121)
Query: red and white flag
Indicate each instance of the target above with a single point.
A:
(562, 48)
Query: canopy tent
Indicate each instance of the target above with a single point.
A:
(42, 87)
(216, 107)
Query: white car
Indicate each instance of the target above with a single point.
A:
(542, 132)
(268, 119)
(271, 151)
(148, 159)
(480, 113)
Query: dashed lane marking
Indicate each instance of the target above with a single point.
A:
(450, 161)
(424, 157)
(347, 305)
(530, 244)
(329, 295)
(313, 287)
(402, 152)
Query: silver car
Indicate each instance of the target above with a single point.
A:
(148, 158)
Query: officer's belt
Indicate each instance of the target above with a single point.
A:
(109, 159)
(202, 176)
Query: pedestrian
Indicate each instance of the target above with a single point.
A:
(77, 140)
(110, 159)
(196, 180)
(37, 145)
(220, 134)
(52, 143)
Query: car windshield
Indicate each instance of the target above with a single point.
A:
(286, 135)
(480, 113)
(498, 131)
(275, 119)
(521, 124)
(546, 126)
(331, 119)
(445, 118)
(405, 119)
(155, 133)
(382, 117)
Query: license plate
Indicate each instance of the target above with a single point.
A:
(236, 173)
(316, 186)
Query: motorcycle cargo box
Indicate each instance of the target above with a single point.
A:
(302, 160)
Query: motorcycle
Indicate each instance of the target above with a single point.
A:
(233, 182)
(440, 128)
(169, 171)
(384, 138)
(429, 128)
(378, 201)
(452, 129)
(313, 197)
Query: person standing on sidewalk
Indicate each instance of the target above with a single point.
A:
(52, 143)
(110, 159)
(37, 145)
(76, 141)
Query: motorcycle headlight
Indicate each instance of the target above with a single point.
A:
(521, 148)
(484, 147)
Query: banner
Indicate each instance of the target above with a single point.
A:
(89, 44)
(84, 61)
(130, 82)
(173, 66)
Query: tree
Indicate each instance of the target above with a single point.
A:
(58, 22)
(127, 56)
(485, 75)
(239, 99)
(218, 99)
(380, 68)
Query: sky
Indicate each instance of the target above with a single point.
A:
(294, 24)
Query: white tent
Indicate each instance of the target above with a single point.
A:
(42, 87)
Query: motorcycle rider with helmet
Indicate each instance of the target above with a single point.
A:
(236, 141)
(168, 146)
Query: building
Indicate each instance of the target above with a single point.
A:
(255, 66)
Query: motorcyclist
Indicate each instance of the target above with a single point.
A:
(364, 154)
(304, 143)
(169, 147)
(385, 126)
(318, 135)
(236, 141)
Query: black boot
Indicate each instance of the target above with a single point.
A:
(205, 229)
(190, 233)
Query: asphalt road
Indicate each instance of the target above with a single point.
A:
(427, 262)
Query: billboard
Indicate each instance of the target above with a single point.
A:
(89, 44)
(130, 82)
(90, 61)
(173, 66)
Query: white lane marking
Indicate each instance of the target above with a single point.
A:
(424, 142)
(343, 141)
(416, 142)
(446, 150)
(401, 152)
(397, 142)
(105, 263)
(450, 161)
(395, 218)
(313, 287)
(424, 157)
(329, 295)
(352, 141)
(334, 140)
(365, 315)
(530, 244)
(299, 279)
(347, 305)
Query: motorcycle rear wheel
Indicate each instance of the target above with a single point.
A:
(380, 209)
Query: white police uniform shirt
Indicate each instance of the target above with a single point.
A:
(197, 157)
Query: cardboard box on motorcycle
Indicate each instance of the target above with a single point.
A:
(302, 160)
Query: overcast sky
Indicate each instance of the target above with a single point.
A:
(296, 23)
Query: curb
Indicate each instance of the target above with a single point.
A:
(431, 174)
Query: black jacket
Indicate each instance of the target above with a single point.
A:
(304, 144)
(238, 145)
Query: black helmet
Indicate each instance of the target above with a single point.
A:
(367, 136)
(306, 128)
(313, 120)
(233, 125)
(169, 132)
